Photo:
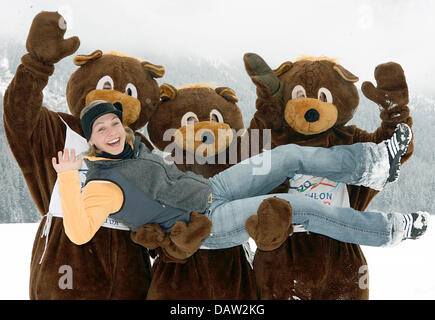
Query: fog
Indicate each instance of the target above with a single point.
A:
(360, 34)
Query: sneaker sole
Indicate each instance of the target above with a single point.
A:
(404, 130)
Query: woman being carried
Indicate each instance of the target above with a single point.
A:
(134, 186)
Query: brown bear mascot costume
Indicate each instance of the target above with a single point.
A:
(110, 266)
(207, 274)
(309, 102)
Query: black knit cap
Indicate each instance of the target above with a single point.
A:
(97, 111)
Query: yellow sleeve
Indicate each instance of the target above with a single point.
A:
(85, 211)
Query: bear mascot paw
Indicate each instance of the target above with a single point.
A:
(178, 245)
(272, 224)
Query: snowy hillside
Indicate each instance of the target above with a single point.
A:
(401, 272)
(413, 191)
(54, 94)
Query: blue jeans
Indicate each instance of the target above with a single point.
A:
(239, 190)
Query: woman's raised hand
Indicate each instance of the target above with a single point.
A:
(67, 161)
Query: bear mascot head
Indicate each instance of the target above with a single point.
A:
(115, 77)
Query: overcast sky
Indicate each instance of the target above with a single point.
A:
(360, 34)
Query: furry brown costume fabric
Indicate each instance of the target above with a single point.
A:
(180, 243)
(208, 274)
(110, 266)
(292, 102)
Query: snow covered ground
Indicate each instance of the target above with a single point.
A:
(403, 272)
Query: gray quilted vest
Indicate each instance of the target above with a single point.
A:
(154, 192)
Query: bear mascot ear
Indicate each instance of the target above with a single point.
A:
(228, 93)
(167, 92)
(346, 75)
(283, 68)
(81, 60)
(155, 70)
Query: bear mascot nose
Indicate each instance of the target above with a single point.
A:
(312, 115)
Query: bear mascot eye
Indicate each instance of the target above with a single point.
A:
(131, 90)
(324, 95)
(189, 118)
(62, 23)
(298, 92)
(105, 83)
(216, 116)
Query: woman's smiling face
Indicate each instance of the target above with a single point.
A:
(108, 134)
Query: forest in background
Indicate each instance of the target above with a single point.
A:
(412, 192)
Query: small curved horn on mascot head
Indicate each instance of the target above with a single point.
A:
(167, 92)
(345, 74)
(228, 93)
(283, 68)
(82, 59)
(155, 70)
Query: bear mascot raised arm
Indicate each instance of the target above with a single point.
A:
(110, 266)
(187, 125)
(309, 102)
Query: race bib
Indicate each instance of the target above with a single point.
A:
(321, 189)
